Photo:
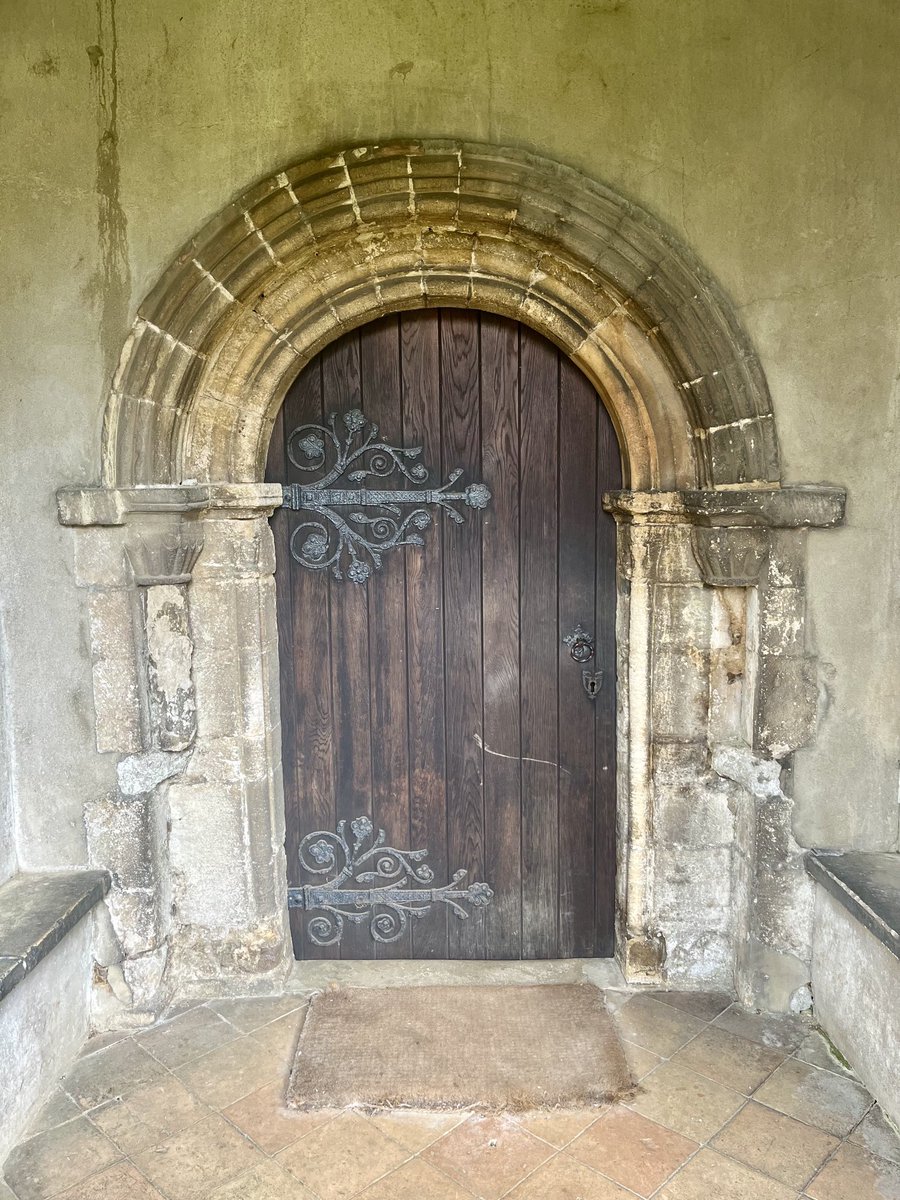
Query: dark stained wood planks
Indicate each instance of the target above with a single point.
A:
(439, 697)
(539, 708)
(463, 701)
(388, 685)
(500, 660)
(421, 382)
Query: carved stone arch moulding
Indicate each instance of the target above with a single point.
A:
(336, 241)
(715, 675)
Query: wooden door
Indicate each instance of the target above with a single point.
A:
(438, 697)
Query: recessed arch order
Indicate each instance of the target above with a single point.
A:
(335, 241)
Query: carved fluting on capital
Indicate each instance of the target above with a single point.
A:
(163, 559)
(730, 556)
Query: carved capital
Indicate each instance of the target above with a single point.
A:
(730, 556)
(163, 558)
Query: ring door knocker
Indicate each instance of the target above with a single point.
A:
(581, 650)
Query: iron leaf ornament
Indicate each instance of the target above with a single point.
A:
(351, 545)
(360, 856)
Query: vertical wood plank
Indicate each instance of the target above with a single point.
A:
(578, 410)
(500, 572)
(609, 477)
(421, 384)
(342, 391)
(539, 658)
(380, 373)
(309, 779)
(461, 438)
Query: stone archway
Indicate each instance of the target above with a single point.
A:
(176, 546)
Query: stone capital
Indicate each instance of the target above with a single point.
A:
(163, 558)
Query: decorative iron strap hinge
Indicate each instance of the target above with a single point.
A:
(387, 908)
(352, 546)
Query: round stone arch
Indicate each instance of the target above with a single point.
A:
(175, 547)
(333, 242)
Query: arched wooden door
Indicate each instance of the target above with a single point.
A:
(438, 699)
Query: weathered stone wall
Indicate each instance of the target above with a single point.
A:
(44, 1023)
(855, 981)
(764, 137)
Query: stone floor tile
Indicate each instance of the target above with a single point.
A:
(268, 1181)
(711, 1176)
(778, 1031)
(705, 1006)
(111, 1074)
(738, 1063)
(488, 1155)
(413, 1129)
(854, 1173)
(816, 1097)
(877, 1134)
(775, 1145)
(56, 1111)
(682, 1100)
(564, 1178)
(640, 1061)
(632, 1150)
(265, 1118)
(149, 1115)
(226, 1075)
(58, 1159)
(615, 998)
(101, 1040)
(415, 1180)
(249, 1012)
(190, 1164)
(184, 1038)
(560, 1126)
(657, 1027)
(342, 1157)
(818, 1051)
(280, 1037)
(121, 1182)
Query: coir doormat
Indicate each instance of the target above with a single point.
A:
(509, 1048)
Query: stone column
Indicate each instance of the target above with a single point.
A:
(184, 644)
(227, 812)
(715, 693)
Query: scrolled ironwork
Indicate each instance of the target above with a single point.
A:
(358, 855)
(352, 546)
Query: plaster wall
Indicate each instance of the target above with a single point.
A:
(763, 134)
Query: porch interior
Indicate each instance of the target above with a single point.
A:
(615, 283)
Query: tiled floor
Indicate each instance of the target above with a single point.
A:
(730, 1106)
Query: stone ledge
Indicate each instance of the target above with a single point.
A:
(36, 913)
(113, 506)
(798, 506)
(867, 885)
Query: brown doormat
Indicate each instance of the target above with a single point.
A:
(499, 1048)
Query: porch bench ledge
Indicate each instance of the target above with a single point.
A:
(37, 910)
(867, 885)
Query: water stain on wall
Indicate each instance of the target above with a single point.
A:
(112, 283)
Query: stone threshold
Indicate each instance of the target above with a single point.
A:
(867, 885)
(37, 910)
(318, 974)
